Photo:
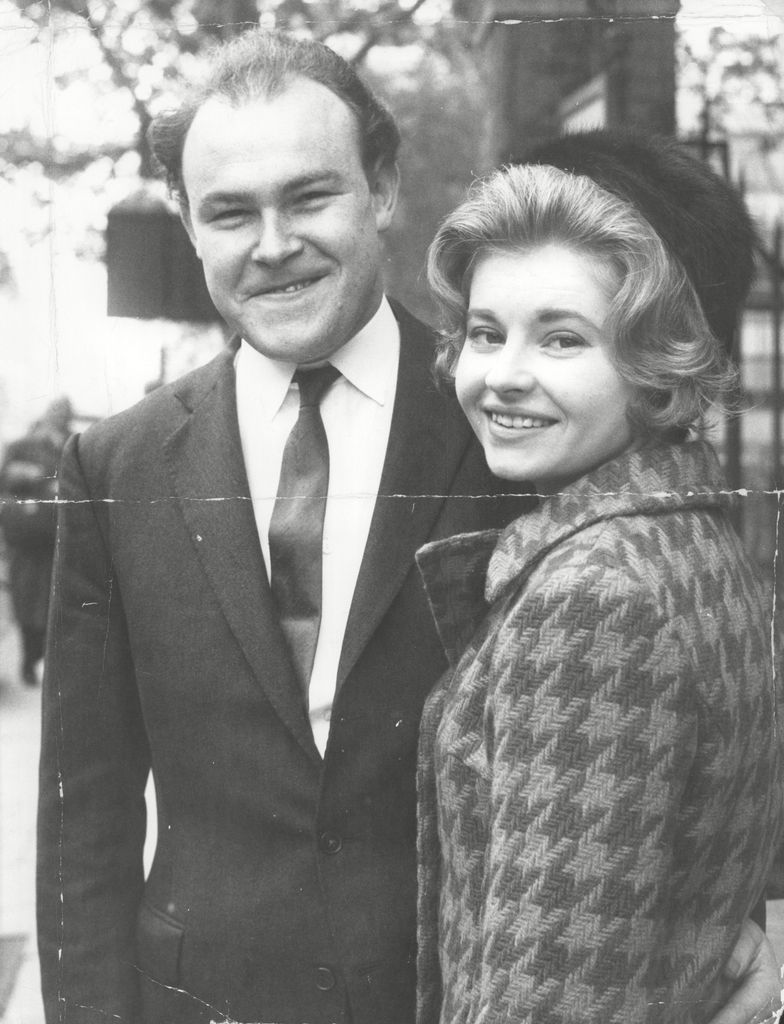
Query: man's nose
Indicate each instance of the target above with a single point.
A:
(277, 239)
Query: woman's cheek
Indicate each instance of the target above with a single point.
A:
(467, 379)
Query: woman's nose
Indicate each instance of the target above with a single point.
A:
(511, 369)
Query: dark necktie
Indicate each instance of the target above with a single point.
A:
(297, 523)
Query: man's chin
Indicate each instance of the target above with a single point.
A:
(290, 347)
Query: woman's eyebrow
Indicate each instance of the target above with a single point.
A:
(483, 314)
(551, 314)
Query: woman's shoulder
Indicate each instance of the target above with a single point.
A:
(636, 549)
(618, 553)
(597, 577)
(679, 580)
(646, 506)
(683, 562)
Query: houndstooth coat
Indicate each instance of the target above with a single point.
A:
(600, 777)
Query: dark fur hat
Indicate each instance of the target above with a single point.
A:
(700, 218)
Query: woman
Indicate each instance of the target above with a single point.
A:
(600, 777)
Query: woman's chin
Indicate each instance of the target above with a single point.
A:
(505, 469)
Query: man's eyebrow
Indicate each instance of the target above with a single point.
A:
(223, 196)
(304, 181)
(329, 178)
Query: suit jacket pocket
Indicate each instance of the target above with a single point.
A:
(158, 944)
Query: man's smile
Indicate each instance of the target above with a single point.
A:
(288, 288)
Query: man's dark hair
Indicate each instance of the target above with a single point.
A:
(262, 63)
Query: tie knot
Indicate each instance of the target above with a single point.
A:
(314, 383)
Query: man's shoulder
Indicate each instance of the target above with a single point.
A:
(158, 414)
(417, 357)
(412, 329)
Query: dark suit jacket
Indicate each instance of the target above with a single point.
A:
(283, 887)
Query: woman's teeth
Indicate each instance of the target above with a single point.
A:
(518, 422)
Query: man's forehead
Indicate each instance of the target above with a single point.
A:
(271, 144)
(304, 123)
(297, 97)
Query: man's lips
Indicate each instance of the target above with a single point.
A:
(288, 287)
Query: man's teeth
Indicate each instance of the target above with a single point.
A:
(518, 422)
(290, 288)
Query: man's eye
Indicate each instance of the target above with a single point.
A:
(228, 216)
(311, 198)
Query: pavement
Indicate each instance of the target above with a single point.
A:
(19, 743)
(20, 732)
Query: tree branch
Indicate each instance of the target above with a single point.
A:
(349, 23)
(122, 80)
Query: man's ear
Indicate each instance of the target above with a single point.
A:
(185, 217)
(384, 184)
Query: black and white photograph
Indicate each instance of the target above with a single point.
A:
(391, 511)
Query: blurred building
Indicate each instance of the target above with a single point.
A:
(566, 65)
(153, 270)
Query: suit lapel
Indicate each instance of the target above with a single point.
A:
(428, 438)
(208, 474)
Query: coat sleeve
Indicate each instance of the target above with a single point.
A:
(592, 731)
(94, 766)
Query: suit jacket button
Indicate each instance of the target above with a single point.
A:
(330, 843)
(325, 979)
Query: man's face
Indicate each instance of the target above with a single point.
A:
(285, 220)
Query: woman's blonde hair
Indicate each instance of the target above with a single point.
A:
(661, 341)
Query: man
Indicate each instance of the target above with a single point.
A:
(281, 727)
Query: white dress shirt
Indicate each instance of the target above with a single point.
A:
(357, 413)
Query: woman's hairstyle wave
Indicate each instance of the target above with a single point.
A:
(661, 341)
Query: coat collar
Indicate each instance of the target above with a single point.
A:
(204, 458)
(428, 439)
(464, 575)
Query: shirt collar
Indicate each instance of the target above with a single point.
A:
(368, 361)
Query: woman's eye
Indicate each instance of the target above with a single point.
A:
(484, 336)
(565, 342)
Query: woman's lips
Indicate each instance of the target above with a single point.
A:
(520, 421)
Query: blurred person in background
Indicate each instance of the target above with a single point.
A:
(28, 486)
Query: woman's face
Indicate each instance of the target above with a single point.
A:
(534, 376)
